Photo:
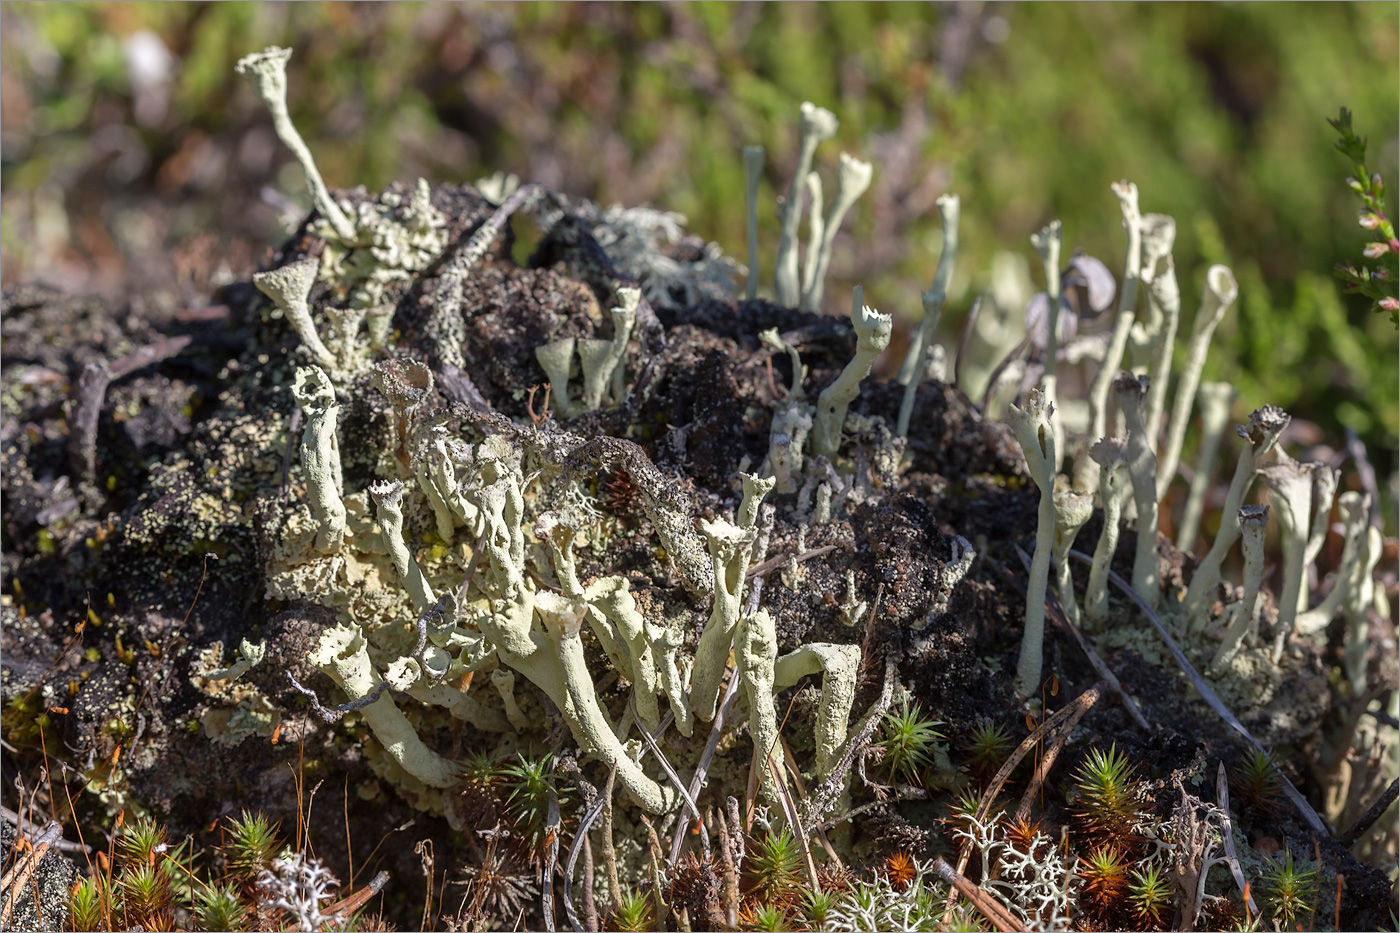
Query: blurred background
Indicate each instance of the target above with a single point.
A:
(134, 160)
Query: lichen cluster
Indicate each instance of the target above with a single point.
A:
(500, 540)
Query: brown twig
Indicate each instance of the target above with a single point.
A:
(1373, 813)
(1086, 699)
(782, 560)
(1061, 730)
(87, 395)
(352, 902)
(141, 357)
(590, 907)
(729, 874)
(609, 853)
(20, 874)
(987, 905)
(790, 813)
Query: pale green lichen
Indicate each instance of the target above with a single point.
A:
(320, 456)
(1260, 434)
(268, 71)
(289, 287)
(1036, 436)
(873, 331)
(816, 125)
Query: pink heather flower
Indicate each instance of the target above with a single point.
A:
(1375, 250)
(1380, 272)
(1368, 220)
(1390, 304)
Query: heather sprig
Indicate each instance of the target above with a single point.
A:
(1378, 282)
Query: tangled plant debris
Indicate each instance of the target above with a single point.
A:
(497, 541)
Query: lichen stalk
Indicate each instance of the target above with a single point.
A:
(1159, 275)
(1037, 439)
(1260, 434)
(1215, 400)
(388, 503)
(1217, 295)
(852, 180)
(1324, 493)
(949, 207)
(755, 652)
(753, 171)
(1110, 454)
(816, 227)
(1131, 392)
(289, 287)
(816, 125)
(1359, 597)
(730, 547)
(872, 337)
(1087, 478)
(1355, 508)
(1252, 519)
(1291, 488)
(343, 654)
(838, 665)
(1072, 510)
(320, 456)
(268, 71)
(1047, 246)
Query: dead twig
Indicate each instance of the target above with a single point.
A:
(553, 826)
(352, 902)
(729, 874)
(697, 781)
(1373, 813)
(87, 395)
(1208, 694)
(1058, 734)
(1085, 700)
(826, 792)
(21, 873)
(782, 560)
(987, 905)
(790, 813)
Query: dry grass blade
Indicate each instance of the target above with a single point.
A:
(20, 874)
(697, 781)
(790, 812)
(987, 905)
(1227, 835)
(1208, 694)
(666, 766)
(349, 904)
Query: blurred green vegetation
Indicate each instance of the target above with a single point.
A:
(1028, 111)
